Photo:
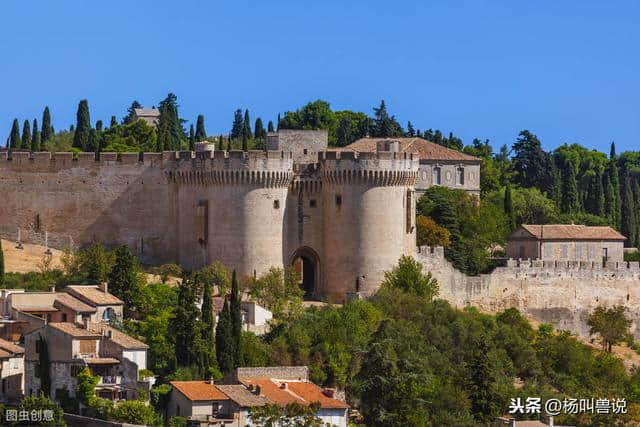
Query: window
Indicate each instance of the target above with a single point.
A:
(460, 176)
(436, 175)
(64, 317)
(108, 314)
(305, 151)
(605, 257)
(409, 212)
(565, 251)
(276, 204)
(312, 203)
(338, 199)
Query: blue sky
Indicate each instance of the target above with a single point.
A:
(569, 71)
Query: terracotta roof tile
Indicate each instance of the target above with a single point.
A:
(198, 390)
(5, 354)
(73, 303)
(73, 330)
(426, 150)
(302, 392)
(120, 338)
(93, 295)
(572, 232)
(10, 347)
(101, 360)
(242, 396)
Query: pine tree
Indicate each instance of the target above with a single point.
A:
(124, 280)
(612, 151)
(410, 130)
(47, 130)
(508, 208)
(259, 132)
(628, 218)
(35, 137)
(224, 340)
(14, 139)
(99, 126)
(192, 139)
(131, 112)
(236, 129)
(201, 134)
(569, 202)
(26, 136)
(270, 127)
(246, 125)
(113, 122)
(184, 324)
(1, 264)
(385, 125)
(83, 126)
(236, 321)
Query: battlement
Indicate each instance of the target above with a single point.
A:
(379, 168)
(538, 266)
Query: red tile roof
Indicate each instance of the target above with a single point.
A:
(198, 390)
(426, 150)
(73, 303)
(301, 392)
(10, 347)
(572, 232)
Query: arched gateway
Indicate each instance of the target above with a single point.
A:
(307, 263)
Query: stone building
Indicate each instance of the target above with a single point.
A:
(348, 216)
(438, 165)
(11, 371)
(150, 115)
(558, 242)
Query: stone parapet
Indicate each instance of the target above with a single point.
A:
(379, 168)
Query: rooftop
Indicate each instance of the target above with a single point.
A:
(572, 232)
(10, 347)
(73, 303)
(199, 390)
(154, 112)
(73, 330)
(123, 340)
(93, 295)
(242, 396)
(426, 150)
(301, 392)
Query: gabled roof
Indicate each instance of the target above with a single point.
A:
(154, 112)
(66, 300)
(93, 295)
(572, 232)
(301, 392)
(426, 150)
(123, 340)
(73, 330)
(198, 390)
(242, 396)
(10, 347)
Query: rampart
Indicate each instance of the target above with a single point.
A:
(561, 293)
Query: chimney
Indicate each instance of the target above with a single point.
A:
(258, 390)
(104, 287)
(52, 288)
(283, 386)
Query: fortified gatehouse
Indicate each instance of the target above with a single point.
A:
(344, 217)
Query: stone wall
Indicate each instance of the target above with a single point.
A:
(562, 293)
(448, 177)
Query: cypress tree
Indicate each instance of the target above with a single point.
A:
(1, 264)
(270, 126)
(208, 318)
(14, 139)
(236, 128)
(201, 134)
(26, 136)
(47, 130)
(184, 324)
(278, 121)
(224, 340)
(113, 122)
(569, 203)
(259, 132)
(35, 137)
(170, 132)
(124, 279)
(246, 125)
(599, 195)
(83, 126)
(609, 198)
(614, 177)
(71, 128)
(245, 142)
(99, 125)
(236, 321)
(508, 207)
(192, 139)
(628, 217)
(612, 151)
(92, 142)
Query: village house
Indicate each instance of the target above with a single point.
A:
(151, 116)
(206, 404)
(559, 242)
(255, 318)
(109, 354)
(439, 165)
(11, 371)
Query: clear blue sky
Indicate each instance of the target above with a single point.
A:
(569, 71)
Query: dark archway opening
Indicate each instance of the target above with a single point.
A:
(305, 262)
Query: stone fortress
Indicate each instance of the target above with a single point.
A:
(342, 216)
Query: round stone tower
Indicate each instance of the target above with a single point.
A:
(369, 208)
(231, 206)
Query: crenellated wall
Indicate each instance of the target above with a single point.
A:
(563, 293)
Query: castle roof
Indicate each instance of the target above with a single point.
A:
(426, 150)
(572, 232)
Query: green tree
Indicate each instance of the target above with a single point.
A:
(570, 202)
(113, 122)
(14, 138)
(170, 131)
(245, 142)
(192, 139)
(41, 403)
(291, 415)
(533, 166)
(236, 320)
(44, 367)
(628, 226)
(134, 412)
(26, 136)
(385, 125)
(428, 233)
(201, 134)
(131, 114)
(407, 276)
(99, 126)
(208, 323)
(225, 347)
(35, 137)
(270, 126)
(83, 126)
(260, 134)
(611, 324)
(125, 279)
(277, 290)
(47, 130)
(237, 127)
(246, 126)
(508, 208)
(93, 144)
(184, 324)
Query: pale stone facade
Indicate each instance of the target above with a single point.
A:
(349, 216)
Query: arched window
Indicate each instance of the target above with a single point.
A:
(436, 175)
